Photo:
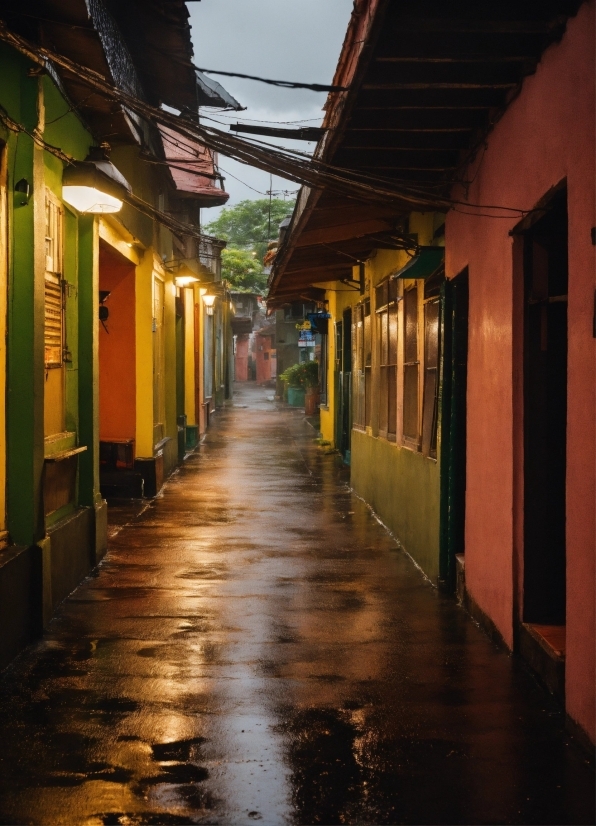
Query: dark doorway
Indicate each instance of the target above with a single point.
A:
(343, 384)
(545, 414)
(452, 412)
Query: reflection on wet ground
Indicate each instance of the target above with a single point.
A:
(256, 648)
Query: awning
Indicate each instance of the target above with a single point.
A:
(212, 93)
(193, 169)
(427, 262)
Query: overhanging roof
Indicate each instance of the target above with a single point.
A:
(428, 80)
(192, 167)
(143, 46)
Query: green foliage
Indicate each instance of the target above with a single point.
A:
(246, 224)
(243, 271)
(303, 375)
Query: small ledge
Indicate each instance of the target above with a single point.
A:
(61, 455)
(58, 442)
(162, 443)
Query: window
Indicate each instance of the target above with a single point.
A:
(431, 374)
(54, 293)
(411, 365)
(386, 299)
(361, 342)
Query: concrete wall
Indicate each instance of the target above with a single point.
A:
(546, 135)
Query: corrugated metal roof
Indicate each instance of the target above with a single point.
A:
(193, 169)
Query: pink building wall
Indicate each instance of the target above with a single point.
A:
(263, 358)
(241, 359)
(546, 135)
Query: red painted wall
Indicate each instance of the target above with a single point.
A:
(117, 349)
(241, 359)
(547, 134)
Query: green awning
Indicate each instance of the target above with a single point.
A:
(428, 261)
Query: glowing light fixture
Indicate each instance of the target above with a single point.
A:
(209, 301)
(94, 186)
(184, 276)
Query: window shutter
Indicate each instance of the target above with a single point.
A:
(54, 293)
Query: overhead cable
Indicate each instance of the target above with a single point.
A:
(285, 163)
(284, 84)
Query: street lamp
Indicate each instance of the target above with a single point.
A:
(94, 186)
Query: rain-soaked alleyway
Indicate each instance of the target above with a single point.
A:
(256, 648)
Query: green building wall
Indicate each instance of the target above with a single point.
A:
(402, 487)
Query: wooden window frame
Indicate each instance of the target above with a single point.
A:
(386, 294)
(430, 400)
(411, 366)
(361, 370)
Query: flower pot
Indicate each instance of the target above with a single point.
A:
(311, 401)
(295, 397)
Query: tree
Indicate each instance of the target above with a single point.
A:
(243, 271)
(246, 225)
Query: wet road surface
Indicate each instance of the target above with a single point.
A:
(255, 648)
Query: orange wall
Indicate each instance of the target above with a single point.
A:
(117, 401)
(546, 135)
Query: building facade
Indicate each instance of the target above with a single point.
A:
(92, 294)
(460, 372)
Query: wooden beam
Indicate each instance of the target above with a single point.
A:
(457, 58)
(415, 119)
(439, 98)
(418, 158)
(456, 75)
(406, 25)
(343, 232)
(439, 85)
(411, 140)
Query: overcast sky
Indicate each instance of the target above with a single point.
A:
(297, 40)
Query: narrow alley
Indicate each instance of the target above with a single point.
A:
(255, 647)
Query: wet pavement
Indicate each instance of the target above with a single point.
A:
(255, 647)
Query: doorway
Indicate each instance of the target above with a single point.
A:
(453, 414)
(545, 415)
(343, 384)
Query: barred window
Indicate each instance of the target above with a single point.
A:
(54, 293)
(386, 299)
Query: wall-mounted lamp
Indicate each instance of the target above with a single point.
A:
(184, 276)
(209, 301)
(23, 187)
(94, 186)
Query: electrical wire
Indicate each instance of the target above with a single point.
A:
(285, 163)
(258, 191)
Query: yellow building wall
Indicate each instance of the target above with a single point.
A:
(3, 308)
(189, 357)
(340, 298)
(144, 355)
(400, 484)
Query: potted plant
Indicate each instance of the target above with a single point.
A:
(311, 385)
(301, 380)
